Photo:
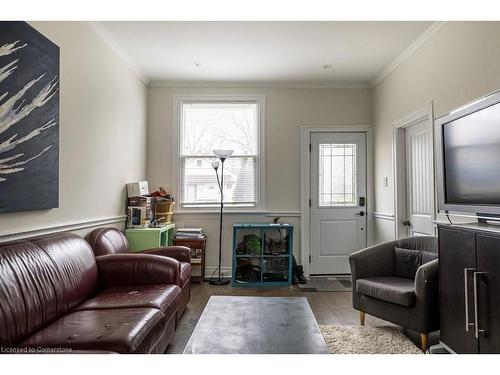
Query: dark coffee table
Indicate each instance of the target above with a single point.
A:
(256, 325)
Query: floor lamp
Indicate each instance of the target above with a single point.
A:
(222, 155)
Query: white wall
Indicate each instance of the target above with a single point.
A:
(287, 110)
(459, 63)
(102, 132)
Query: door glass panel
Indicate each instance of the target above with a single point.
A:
(337, 175)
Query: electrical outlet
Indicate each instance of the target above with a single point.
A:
(386, 181)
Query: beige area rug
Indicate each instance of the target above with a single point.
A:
(367, 340)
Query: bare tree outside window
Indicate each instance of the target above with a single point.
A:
(207, 126)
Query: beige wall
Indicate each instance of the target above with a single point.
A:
(102, 131)
(287, 110)
(459, 63)
(104, 107)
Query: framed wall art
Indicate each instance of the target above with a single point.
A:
(29, 119)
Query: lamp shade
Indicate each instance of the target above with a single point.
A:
(215, 165)
(223, 154)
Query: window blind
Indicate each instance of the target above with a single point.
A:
(207, 126)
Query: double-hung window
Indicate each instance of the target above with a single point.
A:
(207, 125)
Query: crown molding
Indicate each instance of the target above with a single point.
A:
(421, 40)
(261, 84)
(118, 50)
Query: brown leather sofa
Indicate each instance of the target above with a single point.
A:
(56, 296)
(105, 241)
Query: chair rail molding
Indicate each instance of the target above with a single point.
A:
(236, 215)
(58, 228)
(383, 216)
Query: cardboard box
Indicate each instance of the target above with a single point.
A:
(138, 217)
(136, 189)
(140, 212)
(142, 202)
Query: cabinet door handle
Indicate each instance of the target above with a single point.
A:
(476, 308)
(466, 274)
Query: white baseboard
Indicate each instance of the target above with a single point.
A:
(57, 228)
(227, 271)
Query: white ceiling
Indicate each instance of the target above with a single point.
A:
(279, 52)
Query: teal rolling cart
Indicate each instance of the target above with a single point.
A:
(262, 255)
(148, 238)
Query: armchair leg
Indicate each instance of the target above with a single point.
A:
(362, 318)
(424, 338)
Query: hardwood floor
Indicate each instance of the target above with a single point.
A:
(333, 308)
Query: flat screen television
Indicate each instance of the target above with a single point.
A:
(468, 158)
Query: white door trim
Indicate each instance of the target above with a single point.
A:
(399, 164)
(305, 182)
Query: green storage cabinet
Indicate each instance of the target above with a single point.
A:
(148, 238)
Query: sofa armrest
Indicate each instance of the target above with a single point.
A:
(137, 269)
(373, 261)
(427, 280)
(180, 253)
(425, 317)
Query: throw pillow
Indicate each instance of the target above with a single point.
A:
(407, 261)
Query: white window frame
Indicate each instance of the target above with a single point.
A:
(260, 172)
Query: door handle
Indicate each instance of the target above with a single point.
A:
(362, 213)
(466, 274)
(476, 308)
(406, 223)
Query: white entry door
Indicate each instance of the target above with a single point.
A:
(338, 200)
(419, 180)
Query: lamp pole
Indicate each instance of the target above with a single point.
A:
(220, 218)
(222, 155)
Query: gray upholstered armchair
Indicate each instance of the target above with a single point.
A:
(398, 281)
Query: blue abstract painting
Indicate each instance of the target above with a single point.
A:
(29, 119)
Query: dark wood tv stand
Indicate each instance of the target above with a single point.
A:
(469, 281)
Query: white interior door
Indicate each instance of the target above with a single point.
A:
(338, 200)
(419, 180)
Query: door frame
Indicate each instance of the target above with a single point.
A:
(425, 113)
(305, 182)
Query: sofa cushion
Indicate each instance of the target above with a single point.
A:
(41, 280)
(185, 272)
(422, 243)
(396, 290)
(116, 330)
(166, 298)
(407, 261)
